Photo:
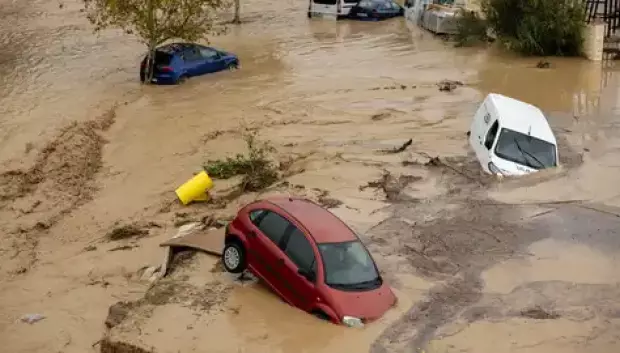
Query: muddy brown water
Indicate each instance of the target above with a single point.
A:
(84, 148)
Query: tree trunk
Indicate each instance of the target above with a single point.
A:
(237, 18)
(150, 61)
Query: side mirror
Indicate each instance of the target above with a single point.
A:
(307, 274)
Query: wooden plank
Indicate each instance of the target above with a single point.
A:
(208, 241)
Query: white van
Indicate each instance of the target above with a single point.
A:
(330, 8)
(511, 137)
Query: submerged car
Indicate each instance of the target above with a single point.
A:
(310, 258)
(176, 62)
(511, 137)
(374, 10)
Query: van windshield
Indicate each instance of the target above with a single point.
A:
(348, 266)
(525, 150)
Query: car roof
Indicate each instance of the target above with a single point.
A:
(519, 116)
(177, 47)
(323, 225)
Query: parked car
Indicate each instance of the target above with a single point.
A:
(375, 10)
(177, 62)
(511, 137)
(310, 258)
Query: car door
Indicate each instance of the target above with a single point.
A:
(193, 61)
(267, 232)
(213, 60)
(299, 254)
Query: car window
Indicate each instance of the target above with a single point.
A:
(209, 53)
(255, 216)
(162, 58)
(191, 54)
(299, 250)
(325, 2)
(365, 4)
(273, 226)
(347, 264)
(488, 142)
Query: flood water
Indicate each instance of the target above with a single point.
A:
(328, 94)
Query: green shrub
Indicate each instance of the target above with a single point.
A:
(537, 27)
(255, 165)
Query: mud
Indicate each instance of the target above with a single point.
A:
(475, 262)
(61, 179)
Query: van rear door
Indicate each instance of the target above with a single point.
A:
(320, 8)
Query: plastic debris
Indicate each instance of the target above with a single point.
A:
(32, 318)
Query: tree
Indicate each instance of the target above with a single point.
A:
(157, 21)
(538, 27)
(237, 18)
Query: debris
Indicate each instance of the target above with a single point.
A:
(117, 313)
(539, 313)
(32, 318)
(90, 248)
(380, 116)
(391, 186)
(195, 189)
(122, 247)
(543, 64)
(125, 232)
(449, 85)
(400, 148)
(151, 274)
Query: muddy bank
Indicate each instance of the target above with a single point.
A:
(35, 199)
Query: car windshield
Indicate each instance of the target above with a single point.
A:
(525, 150)
(348, 266)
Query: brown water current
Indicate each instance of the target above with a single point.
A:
(478, 265)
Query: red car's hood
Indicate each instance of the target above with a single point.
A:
(368, 305)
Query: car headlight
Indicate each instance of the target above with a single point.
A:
(352, 321)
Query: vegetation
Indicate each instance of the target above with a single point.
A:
(530, 27)
(255, 165)
(471, 28)
(157, 21)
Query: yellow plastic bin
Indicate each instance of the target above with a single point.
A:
(195, 189)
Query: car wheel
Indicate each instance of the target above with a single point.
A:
(233, 257)
(182, 79)
(233, 66)
(321, 315)
(309, 14)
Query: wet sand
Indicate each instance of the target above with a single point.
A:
(330, 97)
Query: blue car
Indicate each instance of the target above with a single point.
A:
(376, 10)
(176, 62)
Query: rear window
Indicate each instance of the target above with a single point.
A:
(351, 1)
(162, 58)
(325, 2)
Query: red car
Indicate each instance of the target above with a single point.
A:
(310, 258)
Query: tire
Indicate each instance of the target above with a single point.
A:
(233, 66)
(233, 257)
(321, 315)
(309, 14)
(182, 79)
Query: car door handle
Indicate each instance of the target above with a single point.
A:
(281, 261)
(253, 234)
